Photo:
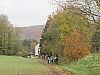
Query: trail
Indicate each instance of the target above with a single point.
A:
(55, 70)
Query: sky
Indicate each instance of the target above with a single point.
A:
(26, 12)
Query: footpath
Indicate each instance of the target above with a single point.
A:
(55, 70)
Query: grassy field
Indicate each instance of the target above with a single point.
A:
(12, 65)
(89, 65)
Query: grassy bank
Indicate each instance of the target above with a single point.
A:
(89, 65)
(12, 65)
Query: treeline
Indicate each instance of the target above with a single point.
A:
(29, 46)
(9, 41)
(73, 31)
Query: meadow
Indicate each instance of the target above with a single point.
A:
(89, 65)
(13, 65)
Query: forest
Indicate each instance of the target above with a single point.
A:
(73, 31)
(10, 42)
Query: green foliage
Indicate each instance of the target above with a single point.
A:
(96, 39)
(88, 9)
(27, 46)
(89, 65)
(80, 18)
(60, 26)
(8, 38)
(26, 43)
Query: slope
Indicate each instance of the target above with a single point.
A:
(31, 32)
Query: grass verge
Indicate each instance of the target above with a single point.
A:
(89, 65)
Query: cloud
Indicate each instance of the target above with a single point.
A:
(26, 12)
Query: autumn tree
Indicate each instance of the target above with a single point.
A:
(8, 38)
(73, 35)
(66, 30)
(76, 46)
(90, 10)
(32, 47)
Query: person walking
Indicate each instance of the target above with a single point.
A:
(43, 57)
(56, 59)
(49, 60)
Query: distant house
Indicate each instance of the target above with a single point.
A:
(37, 50)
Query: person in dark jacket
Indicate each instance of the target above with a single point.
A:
(56, 59)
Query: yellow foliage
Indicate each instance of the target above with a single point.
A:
(98, 30)
(62, 39)
(44, 46)
(32, 45)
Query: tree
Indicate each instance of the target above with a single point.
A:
(29, 45)
(63, 28)
(90, 10)
(76, 46)
(32, 47)
(96, 39)
(8, 38)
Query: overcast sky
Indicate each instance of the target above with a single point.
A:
(26, 12)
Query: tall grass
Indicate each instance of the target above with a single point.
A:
(89, 65)
(12, 65)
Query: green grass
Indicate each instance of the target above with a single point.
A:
(13, 65)
(89, 65)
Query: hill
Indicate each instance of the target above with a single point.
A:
(31, 32)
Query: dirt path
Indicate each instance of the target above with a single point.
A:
(55, 70)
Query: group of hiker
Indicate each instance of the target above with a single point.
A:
(50, 59)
